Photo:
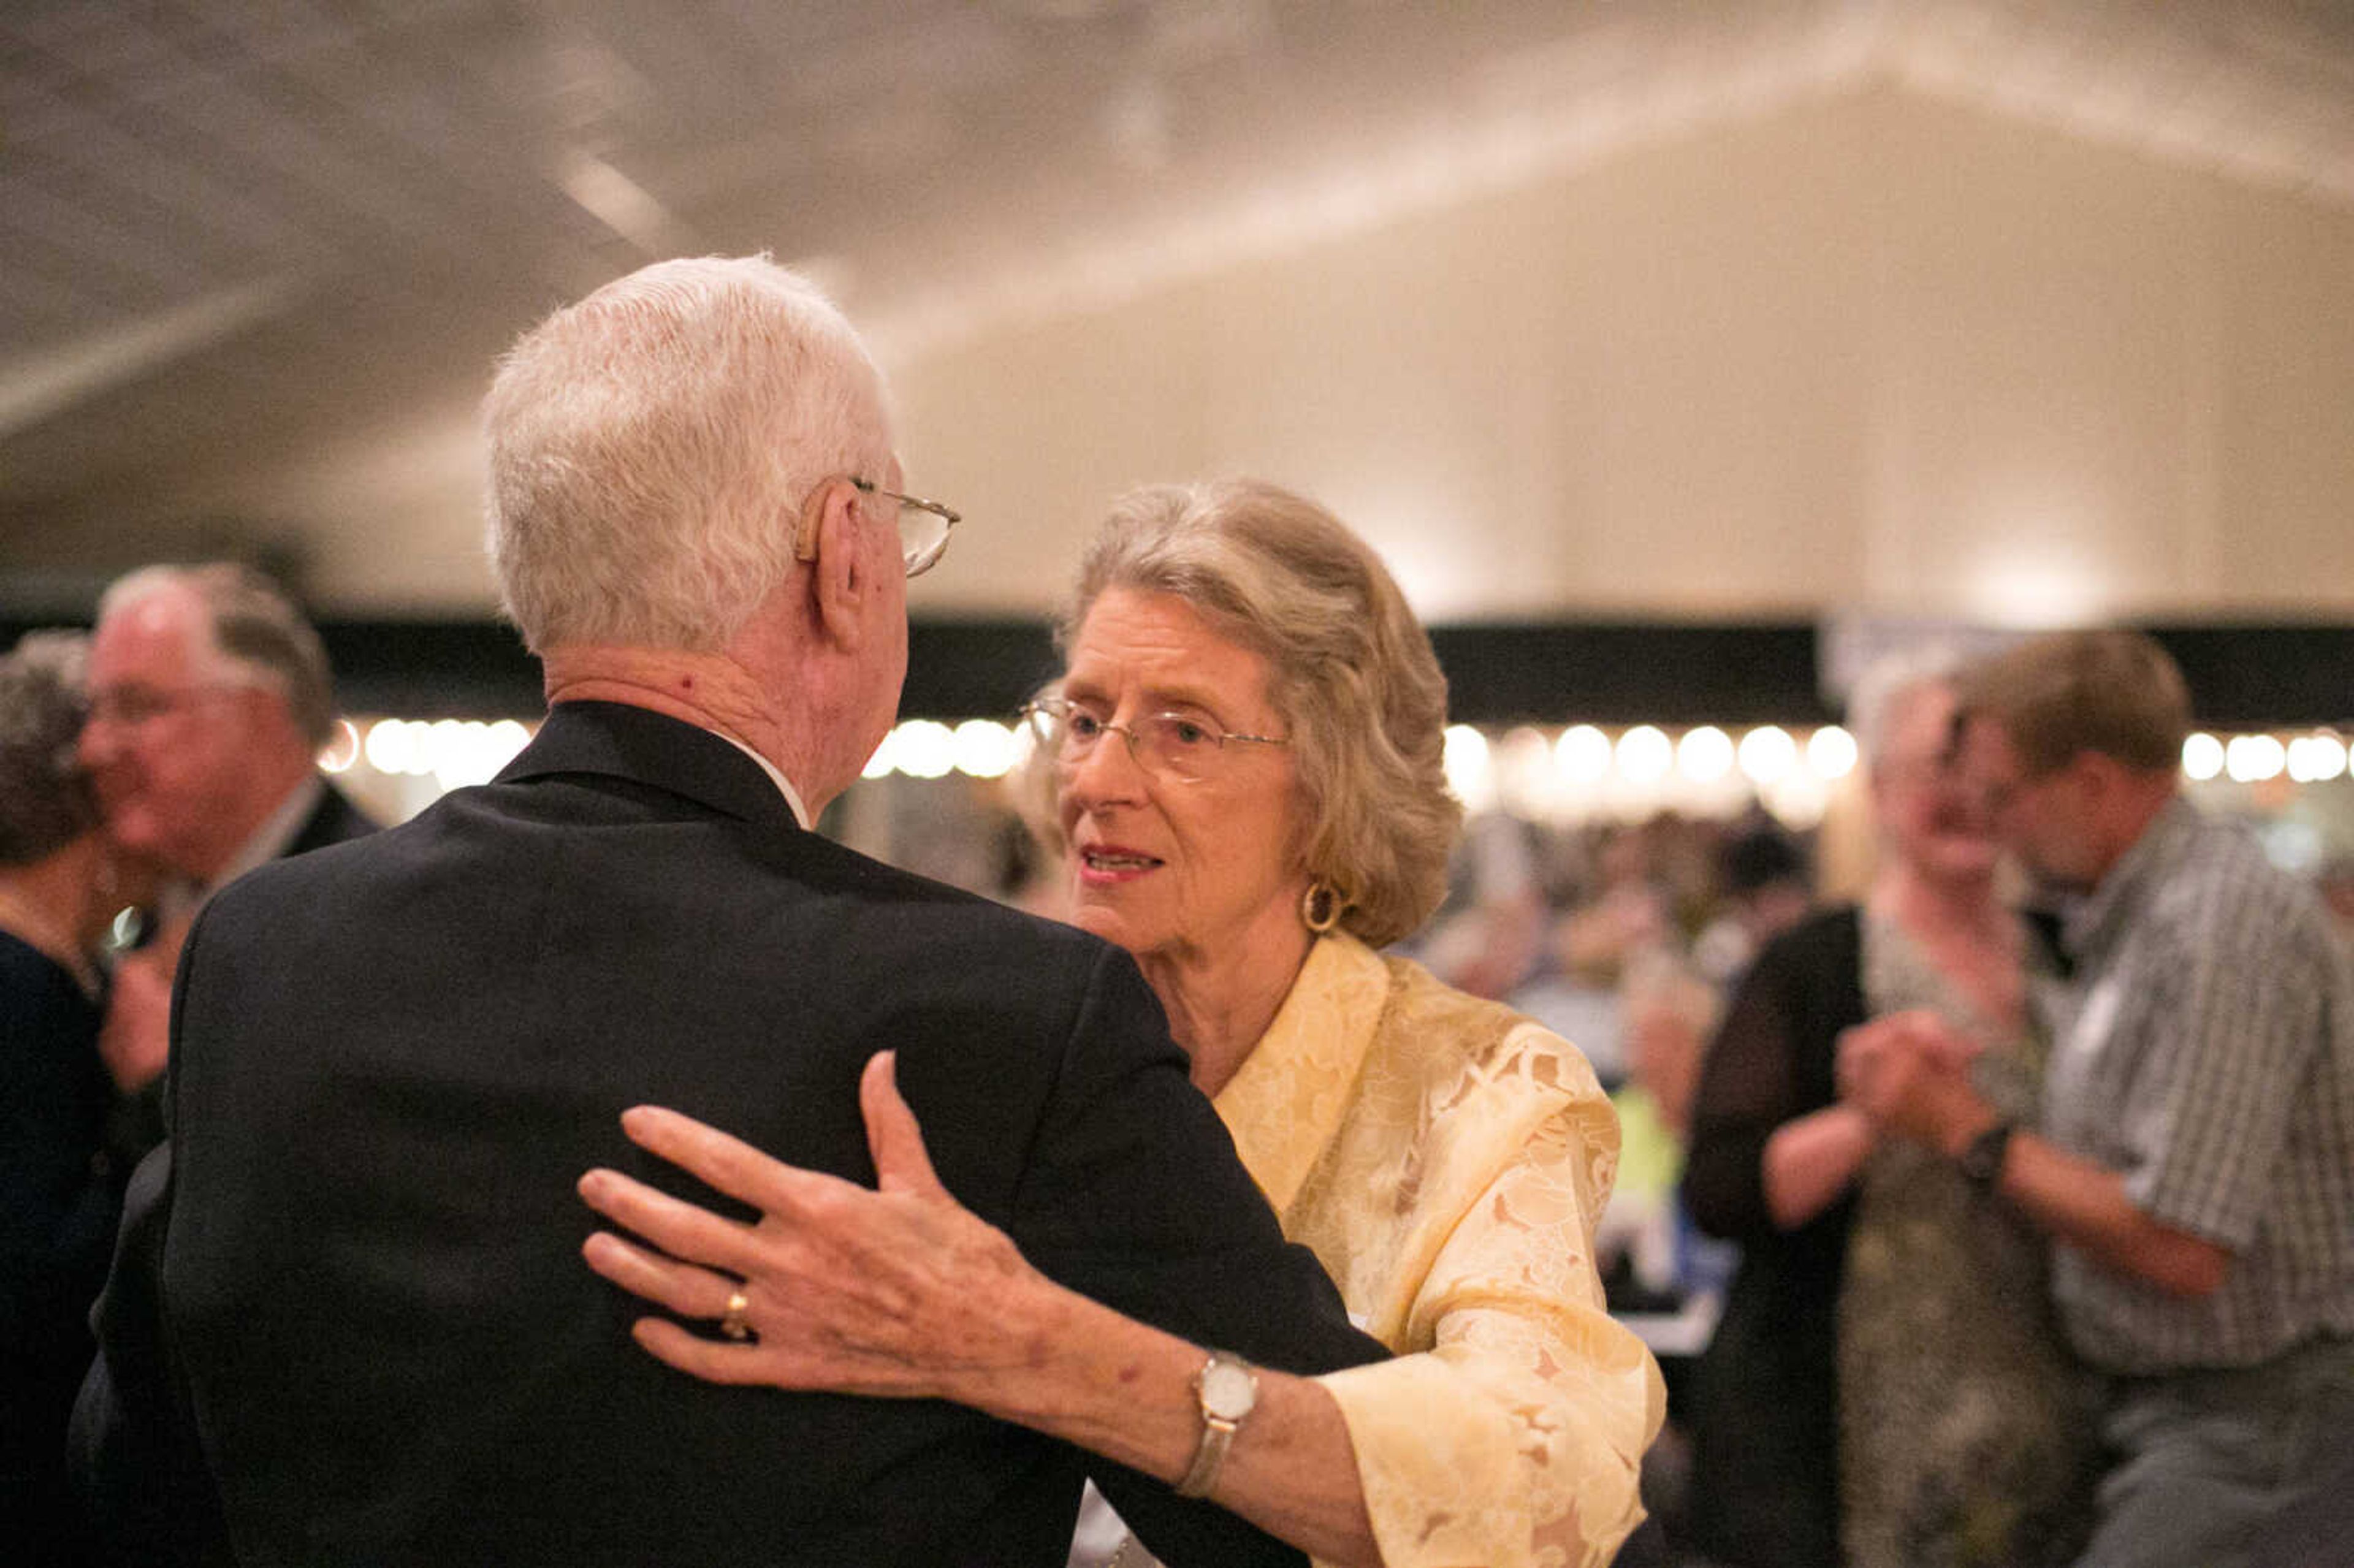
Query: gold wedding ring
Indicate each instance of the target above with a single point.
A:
(732, 1322)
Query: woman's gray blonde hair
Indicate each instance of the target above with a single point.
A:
(1349, 670)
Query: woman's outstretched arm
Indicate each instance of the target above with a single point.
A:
(901, 1292)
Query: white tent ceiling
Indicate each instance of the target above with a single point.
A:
(255, 257)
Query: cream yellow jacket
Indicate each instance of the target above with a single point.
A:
(1447, 1158)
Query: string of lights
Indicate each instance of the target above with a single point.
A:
(1566, 773)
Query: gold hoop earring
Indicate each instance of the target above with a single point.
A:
(1319, 911)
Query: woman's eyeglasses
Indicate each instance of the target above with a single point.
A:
(1170, 744)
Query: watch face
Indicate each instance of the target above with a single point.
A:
(1228, 1390)
(1981, 1161)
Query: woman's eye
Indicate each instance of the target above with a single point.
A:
(1084, 725)
(1186, 732)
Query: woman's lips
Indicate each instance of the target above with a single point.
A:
(1102, 864)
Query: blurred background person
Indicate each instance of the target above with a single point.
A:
(58, 1198)
(2336, 887)
(1611, 912)
(1489, 941)
(2195, 1148)
(209, 700)
(1965, 1424)
(1669, 1012)
(1655, 1264)
(1246, 750)
(1886, 1386)
(1766, 889)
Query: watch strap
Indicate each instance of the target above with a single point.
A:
(1981, 1159)
(1209, 1458)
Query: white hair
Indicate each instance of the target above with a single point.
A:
(651, 446)
(1890, 686)
(254, 635)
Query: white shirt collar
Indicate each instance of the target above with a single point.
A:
(775, 775)
(276, 830)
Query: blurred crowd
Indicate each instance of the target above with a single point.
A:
(1890, 1336)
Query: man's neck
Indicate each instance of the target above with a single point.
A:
(270, 837)
(2129, 821)
(273, 776)
(710, 690)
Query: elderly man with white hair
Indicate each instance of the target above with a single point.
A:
(349, 1320)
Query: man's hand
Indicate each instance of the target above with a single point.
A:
(1910, 1074)
(135, 1038)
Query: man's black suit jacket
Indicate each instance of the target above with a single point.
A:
(348, 1322)
(135, 1124)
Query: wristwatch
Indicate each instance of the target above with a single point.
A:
(1981, 1158)
(1228, 1390)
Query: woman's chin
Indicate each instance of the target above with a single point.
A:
(1101, 918)
(1961, 861)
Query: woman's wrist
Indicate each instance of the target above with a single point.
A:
(1810, 1159)
(1080, 1372)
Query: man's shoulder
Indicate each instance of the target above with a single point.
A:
(337, 837)
(2222, 871)
(890, 892)
(699, 862)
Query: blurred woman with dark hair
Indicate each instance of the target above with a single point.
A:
(57, 1203)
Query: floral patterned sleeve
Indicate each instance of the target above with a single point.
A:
(1509, 1432)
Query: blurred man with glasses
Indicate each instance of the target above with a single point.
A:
(351, 1320)
(209, 699)
(210, 696)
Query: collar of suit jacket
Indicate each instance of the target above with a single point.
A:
(648, 747)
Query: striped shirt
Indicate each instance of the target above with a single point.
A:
(2204, 1050)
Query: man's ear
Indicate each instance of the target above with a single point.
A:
(2097, 774)
(840, 581)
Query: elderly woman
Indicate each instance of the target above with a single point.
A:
(1886, 1386)
(1245, 748)
(57, 1205)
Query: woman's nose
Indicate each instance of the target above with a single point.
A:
(1108, 773)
